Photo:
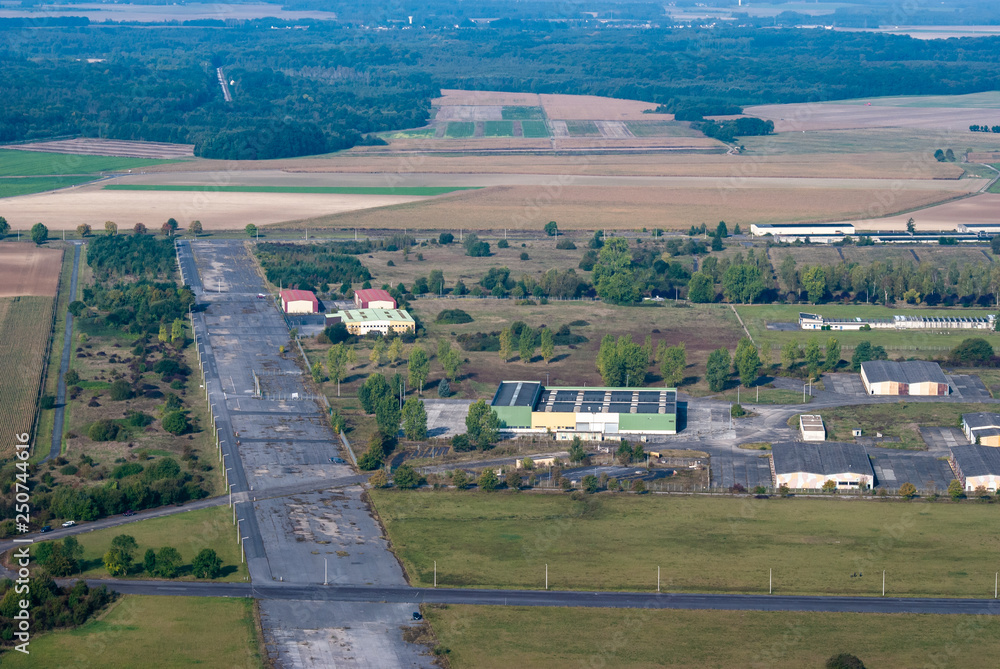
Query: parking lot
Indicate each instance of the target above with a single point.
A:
(844, 384)
(446, 418)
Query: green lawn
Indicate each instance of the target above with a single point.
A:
(460, 129)
(582, 129)
(38, 163)
(488, 637)
(521, 113)
(187, 532)
(701, 544)
(498, 129)
(332, 190)
(901, 419)
(534, 129)
(153, 631)
(995, 188)
(764, 396)
(12, 187)
(918, 343)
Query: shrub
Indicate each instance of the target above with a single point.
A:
(103, 430)
(972, 351)
(68, 470)
(453, 317)
(446, 238)
(566, 245)
(175, 422)
(48, 402)
(127, 469)
(120, 390)
(525, 256)
(461, 442)
(503, 244)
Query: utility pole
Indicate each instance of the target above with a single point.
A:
(435, 573)
(546, 576)
(883, 582)
(326, 580)
(657, 578)
(770, 582)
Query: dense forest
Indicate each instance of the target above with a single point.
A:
(298, 92)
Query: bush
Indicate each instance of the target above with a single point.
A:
(120, 390)
(68, 470)
(48, 402)
(461, 443)
(566, 245)
(844, 661)
(103, 430)
(525, 256)
(127, 469)
(444, 388)
(974, 351)
(406, 477)
(503, 244)
(453, 317)
(175, 423)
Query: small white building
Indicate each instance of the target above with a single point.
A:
(299, 302)
(808, 466)
(812, 428)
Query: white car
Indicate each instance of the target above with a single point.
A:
(69, 523)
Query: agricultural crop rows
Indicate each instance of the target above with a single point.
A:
(24, 334)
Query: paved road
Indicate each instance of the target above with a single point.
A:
(560, 598)
(60, 411)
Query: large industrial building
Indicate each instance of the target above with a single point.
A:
(914, 377)
(363, 321)
(299, 302)
(373, 298)
(594, 414)
(982, 428)
(977, 466)
(819, 322)
(823, 233)
(803, 466)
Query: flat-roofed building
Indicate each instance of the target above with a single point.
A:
(299, 302)
(812, 428)
(914, 377)
(899, 322)
(595, 414)
(982, 428)
(809, 466)
(976, 466)
(363, 321)
(814, 232)
(373, 298)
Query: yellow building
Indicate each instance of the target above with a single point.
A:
(363, 321)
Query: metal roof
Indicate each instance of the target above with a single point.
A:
(586, 400)
(371, 315)
(373, 295)
(981, 420)
(517, 394)
(811, 422)
(910, 372)
(826, 459)
(297, 295)
(977, 460)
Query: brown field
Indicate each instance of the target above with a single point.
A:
(823, 116)
(24, 334)
(451, 96)
(976, 209)
(618, 208)
(594, 108)
(448, 145)
(66, 209)
(28, 270)
(984, 157)
(628, 142)
(86, 146)
(876, 165)
(939, 256)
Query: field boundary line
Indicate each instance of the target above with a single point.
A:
(742, 324)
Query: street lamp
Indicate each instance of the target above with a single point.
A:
(231, 494)
(238, 530)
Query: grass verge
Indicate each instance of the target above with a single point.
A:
(12, 187)
(701, 544)
(166, 631)
(494, 636)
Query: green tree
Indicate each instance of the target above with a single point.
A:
(175, 423)
(452, 364)
(406, 477)
(372, 391)
(789, 354)
(590, 484)
(673, 361)
(168, 562)
(622, 362)
(387, 415)
(908, 490)
(196, 228)
(4, 227)
(117, 562)
(551, 229)
(149, 562)
(336, 363)
(974, 351)
(747, 362)
(110, 228)
(701, 288)
(526, 344)
(39, 233)
(765, 355)
(576, 452)
(864, 352)
(721, 230)
(164, 334)
(460, 479)
(614, 279)
(639, 487)
(379, 479)
(177, 330)
(395, 352)
(378, 351)
(206, 564)
(814, 281)
(742, 283)
(717, 369)
(251, 229)
(513, 480)
(488, 480)
(832, 353)
(317, 372)
(955, 490)
(624, 453)
(547, 345)
(814, 356)
(418, 366)
(506, 344)
(414, 419)
(83, 230)
(482, 425)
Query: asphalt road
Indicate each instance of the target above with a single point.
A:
(60, 411)
(561, 598)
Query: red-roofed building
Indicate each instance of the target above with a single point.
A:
(299, 302)
(373, 298)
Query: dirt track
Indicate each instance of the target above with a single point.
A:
(28, 270)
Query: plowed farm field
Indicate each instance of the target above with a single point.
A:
(24, 333)
(27, 270)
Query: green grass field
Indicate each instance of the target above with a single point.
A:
(416, 133)
(662, 129)
(762, 395)
(187, 532)
(12, 187)
(866, 141)
(460, 129)
(153, 631)
(521, 113)
(896, 342)
(498, 128)
(582, 129)
(901, 419)
(38, 163)
(488, 637)
(716, 544)
(329, 190)
(534, 129)
(995, 188)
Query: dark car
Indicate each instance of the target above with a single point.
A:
(130, 512)
(338, 461)
(47, 528)
(417, 616)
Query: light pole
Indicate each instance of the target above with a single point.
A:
(243, 549)
(238, 530)
(228, 469)
(546, 576)
(435, 573)
(657, 578)
(231, 494)
(326, 580)
(883, 582)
